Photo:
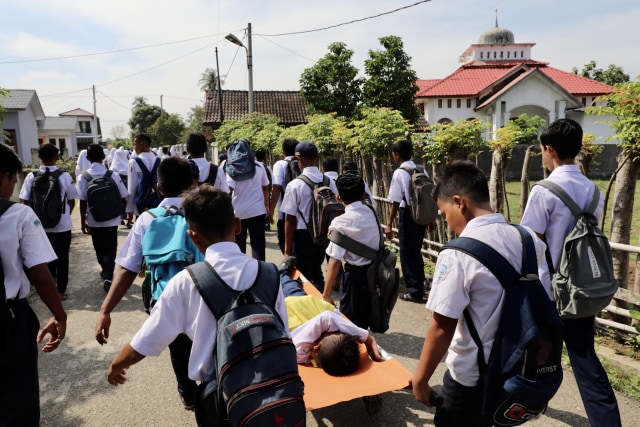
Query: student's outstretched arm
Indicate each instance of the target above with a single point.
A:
(42, 280)
(118, 368)
(388, 233)
(122, 280)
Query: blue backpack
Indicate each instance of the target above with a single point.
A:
(524, 370)
(240, 164)
(167, 249)
(147, 194)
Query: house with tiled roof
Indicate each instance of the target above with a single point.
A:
(86, 123)
(288, 106)
(23, 110)
(498, 80)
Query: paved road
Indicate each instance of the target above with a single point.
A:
(74, 390)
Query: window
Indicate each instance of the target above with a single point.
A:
(62, 143)
(501, 55)
(508, 53)
(52, 141)
(468, 103)
(421, 108)
(439, 103)
(85, 126)
(448, 103)
(494, 55)
(522, 54)
(458, 103)
(40, 141)
(584, 102)
(481, 55)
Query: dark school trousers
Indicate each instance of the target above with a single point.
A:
(290, 287)
(354, 295)
(597, 395)
(19, 390)
(280, 233)
(60, 242)
(255, 228)
(310, 258)
(410, 236)
(461, 405)
(180, 350)
(105, 243)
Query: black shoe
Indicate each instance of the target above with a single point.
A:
(288, 264)
(187, 405)
(411, 298)
(107, 286)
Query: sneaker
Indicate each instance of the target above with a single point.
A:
(107, 286)
(187, 405)
(411, 298)
(287, 264)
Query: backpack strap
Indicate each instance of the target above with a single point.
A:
(213, 174)
(142, 166)
(87, 176)
(108, 173)
(4, 206)
(562, 195)
(356, 247)
(595, 199)
(220, 297)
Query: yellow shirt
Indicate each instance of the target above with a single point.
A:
(301, 309)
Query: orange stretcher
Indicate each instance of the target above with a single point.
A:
(373, 378)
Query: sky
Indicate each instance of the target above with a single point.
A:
(158, 49)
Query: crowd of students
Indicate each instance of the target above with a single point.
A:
(222, 214)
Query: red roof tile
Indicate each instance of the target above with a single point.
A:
(426, 84)
(465, 81)
(575, 84)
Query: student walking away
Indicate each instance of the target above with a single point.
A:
(142, 183)
(352, 167)
(119, 164)
(551, 219)
(52, 190)
(410, 234)
(25, 253)
(260, 157)
(250, 198)
(174, 179)
(102, 199)
(181, 309)
(358, 223)
(330, 167)
(208, 173)
(296, 206)
(463, 284)
(284, 171)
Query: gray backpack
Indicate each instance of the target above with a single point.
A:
(584, 283)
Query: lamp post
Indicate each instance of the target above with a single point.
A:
(235, 40)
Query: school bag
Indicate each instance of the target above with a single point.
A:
(293, 171)
(324, 208)
(256, 380)
(167, 250)
(147, 194)
(524, 370)
(211, 178)
(46, 197)
(584, 282)
(240, 165)
(421, 204)
(103, 196)
(7, 352)
(383, 278)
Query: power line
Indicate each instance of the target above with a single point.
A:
(287, 49)
(345, 23)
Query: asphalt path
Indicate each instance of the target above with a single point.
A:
(75, 392)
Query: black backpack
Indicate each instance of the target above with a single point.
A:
(383, 278)
(524, 370)
(293, 171)
(323, 209)
(103, 196)
(46, 197)
(256, 380)
(6, 316)
(147, 195)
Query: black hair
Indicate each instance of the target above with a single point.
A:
(340, 356)
(349, 167)
(350, 187)
(174, 176)
(165, 150)
(95, 153)
(330, 164)
(565, 136)
(143, 137)
(47, 152)
(209, 211)
(463, 178)
(259, 155)
(9, 160)
(289, 146)
(404, 148)
(196, 144)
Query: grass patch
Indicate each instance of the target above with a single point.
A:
(623, 379)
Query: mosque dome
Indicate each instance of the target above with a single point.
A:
(496, 35)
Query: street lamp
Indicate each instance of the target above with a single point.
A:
(235, 40)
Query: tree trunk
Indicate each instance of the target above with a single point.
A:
(584, 162)
(524, 180)
(496, 182)
(622, 215)
(378, 175)
(636, 282)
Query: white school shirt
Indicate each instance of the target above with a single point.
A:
(460, 281)
(135, 175)
(247, 197)
(278, 177)
(22, 242)
(304, 337)
(298, 196)
(359, 223)
(130, 256)
(98, 169)
(204, 166)
(120, 162)
(68, 191)
(181, 309)
(546, 214)
(331, 174)
(400, 187)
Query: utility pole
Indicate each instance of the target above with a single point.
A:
(250, 67)
(161, 109)
(219, 87)
(95, 117)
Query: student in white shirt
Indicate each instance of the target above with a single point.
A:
(279, 185)
(462, 282)
(142, 149)
(197, 147)
(60, 235)
(104, 234)
(330, 167)
(24, 249)
(181, 309)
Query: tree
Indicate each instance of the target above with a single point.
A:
(209, 80)
(194, 119)
(391, 82)
(166, 130)
(454, 141)
(588, 153)
(332, 85)
(119, 133)
(3, 94)
(624, 105)
(261, 130)
(143, 115)
(611, 76)
(328, 132)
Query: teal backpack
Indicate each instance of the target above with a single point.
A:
(167, 250)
